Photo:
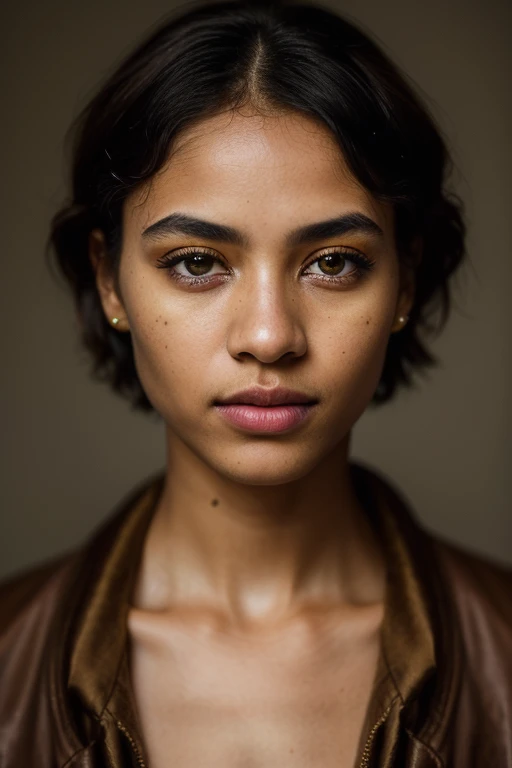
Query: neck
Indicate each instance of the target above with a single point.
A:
(258, 553)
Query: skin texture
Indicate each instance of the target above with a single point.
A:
(259, 557)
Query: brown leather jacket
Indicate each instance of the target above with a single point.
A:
(442, 695)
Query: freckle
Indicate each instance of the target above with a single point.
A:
(214, 502)
(165, 322)
(343, 353)
(166, 346)
(367, 322)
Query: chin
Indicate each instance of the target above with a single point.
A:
(266, 466)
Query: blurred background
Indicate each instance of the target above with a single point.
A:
(71, 449)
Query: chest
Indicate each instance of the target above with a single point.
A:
(207, 701)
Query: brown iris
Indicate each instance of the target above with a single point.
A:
(199, 264)
(331, 263)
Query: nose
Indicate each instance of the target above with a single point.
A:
(265, 320)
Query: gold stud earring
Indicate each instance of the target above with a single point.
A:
(402, 320)
(120, 322)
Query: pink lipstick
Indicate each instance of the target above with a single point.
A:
(266, 410)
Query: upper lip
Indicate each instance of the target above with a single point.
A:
(263, 396)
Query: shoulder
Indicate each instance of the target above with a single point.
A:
(477, 579)
(479, 652)
(29, 603)
(33, 591)
(481, 594)
(40, 587)
(33, 608)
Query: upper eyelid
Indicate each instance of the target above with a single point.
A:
(191, 250)
(336, 248)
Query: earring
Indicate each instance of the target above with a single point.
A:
(402, 320)
(115, 320)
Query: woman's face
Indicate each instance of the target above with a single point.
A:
(267, 301)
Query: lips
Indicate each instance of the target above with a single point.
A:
(268, 397)
(266, 410)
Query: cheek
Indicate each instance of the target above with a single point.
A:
(353, 351)
(173, 345)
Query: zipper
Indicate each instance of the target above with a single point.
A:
(138, 756)
(365, 759)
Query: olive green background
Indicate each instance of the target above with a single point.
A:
(71, 450)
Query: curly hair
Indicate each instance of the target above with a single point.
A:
(283, 56)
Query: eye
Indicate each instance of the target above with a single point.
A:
(192, 266)
(196, 266)
(332, 264)
(338, 265)
(199, 267)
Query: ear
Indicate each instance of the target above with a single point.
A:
(407, 289)
(105, 282)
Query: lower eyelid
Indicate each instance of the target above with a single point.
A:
(191, 280)
(355, 274)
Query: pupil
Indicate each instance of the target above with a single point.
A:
(334, 262)
(199, 265)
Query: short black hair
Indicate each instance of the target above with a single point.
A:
(218, 56)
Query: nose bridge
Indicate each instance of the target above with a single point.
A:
(266, 321)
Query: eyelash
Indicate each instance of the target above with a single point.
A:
(361, 262)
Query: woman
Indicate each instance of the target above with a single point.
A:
(258, 235)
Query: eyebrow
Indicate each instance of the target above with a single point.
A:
(183, 224)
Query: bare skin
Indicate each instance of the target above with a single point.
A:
(256, 614)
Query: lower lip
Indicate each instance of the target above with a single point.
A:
(276, 418)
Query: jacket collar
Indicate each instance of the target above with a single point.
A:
(98, 648)
(413, 639)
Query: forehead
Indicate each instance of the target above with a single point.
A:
(255, 168)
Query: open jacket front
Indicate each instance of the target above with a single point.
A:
(442, 694)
